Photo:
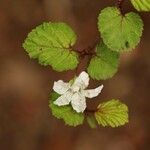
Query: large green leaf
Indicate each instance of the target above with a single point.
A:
(105, 64)
(112, 113)
(141, 5)
(120, 33)
(51, 44)
(70, 117)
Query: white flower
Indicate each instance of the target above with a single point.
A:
(75, 93)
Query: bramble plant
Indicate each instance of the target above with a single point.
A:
(53, 45)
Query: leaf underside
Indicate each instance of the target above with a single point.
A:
(112, 113)
(141, 5)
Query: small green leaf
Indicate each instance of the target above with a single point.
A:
(105, 64)
(112, 113)
(70, 117)
(120, 33)
(91, 121)
(51, 44)
(141, 5)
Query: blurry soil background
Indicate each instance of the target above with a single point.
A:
(26, 122)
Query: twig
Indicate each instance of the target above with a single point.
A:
(90, 111)
(120, 4)
(89, 51)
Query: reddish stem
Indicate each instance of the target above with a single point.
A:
(89, 51)
(120, 4)
(90, 110)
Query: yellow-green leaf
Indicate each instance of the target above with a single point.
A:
(112, 113)
(51, 44)
(141, 5)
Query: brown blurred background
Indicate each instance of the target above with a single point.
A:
(25, 119)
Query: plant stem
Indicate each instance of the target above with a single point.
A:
(120, 4)
(90, 110)
(88, 52)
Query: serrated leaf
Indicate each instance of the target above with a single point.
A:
(91, 121)
(141, 5)
(51, 44)
(105, 64)
(120, 33)
(70, 117)
(112, 113)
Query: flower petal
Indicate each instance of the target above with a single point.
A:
(93, 92)
(78, 102)
(64, 99)
(61, 87)
(82, 81)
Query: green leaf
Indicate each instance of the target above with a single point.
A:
(70, 117)
(51, 44)
(141, 5)
(112, 113)
(91, 121)
(105, 64)
(120, 33)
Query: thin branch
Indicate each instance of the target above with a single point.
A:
(89, 51)
(120, 5)
(90, 111)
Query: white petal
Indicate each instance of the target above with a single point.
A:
(82, 81)
(64, 99)
(78, 102)
(61, 87)
(75, 88)
(93, 92)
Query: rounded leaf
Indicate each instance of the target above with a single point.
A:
(51, 44)
(120, 33)
(112, 113)
(105, 64)
(141, 5)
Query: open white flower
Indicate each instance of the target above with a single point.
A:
(75, 93)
